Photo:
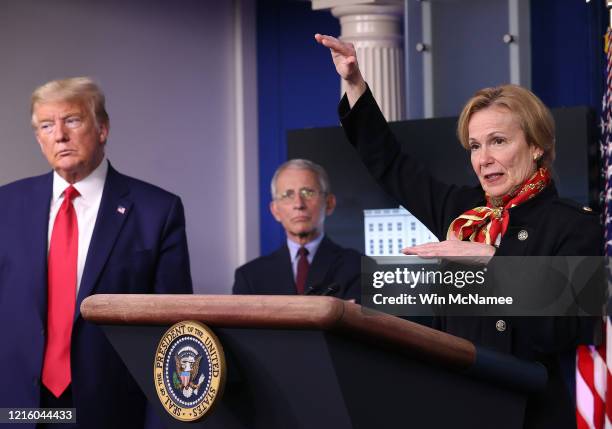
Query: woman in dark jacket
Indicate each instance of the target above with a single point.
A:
(515, 211)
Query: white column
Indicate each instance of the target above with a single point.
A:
(244, 151)
(519, 41)
(375, 28)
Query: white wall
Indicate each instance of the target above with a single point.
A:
(169, 71)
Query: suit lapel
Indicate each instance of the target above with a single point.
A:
(286, 282)
(115, 207)
(512, 243)
(518, 239)
(35, 219)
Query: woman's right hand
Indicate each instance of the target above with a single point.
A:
(345, 60)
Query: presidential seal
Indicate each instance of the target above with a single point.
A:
(189, 370)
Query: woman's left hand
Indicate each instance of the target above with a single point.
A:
(454, 250)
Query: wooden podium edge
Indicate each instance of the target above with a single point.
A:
(283, 312)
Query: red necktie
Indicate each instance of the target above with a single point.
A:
(62, 282)
(302, 270)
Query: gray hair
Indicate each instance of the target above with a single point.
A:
(82, 89)
(302, 164)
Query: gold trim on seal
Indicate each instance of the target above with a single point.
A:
(202, 385)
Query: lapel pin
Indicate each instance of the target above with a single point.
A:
(121, 209)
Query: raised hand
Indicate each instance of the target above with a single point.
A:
(345, 59)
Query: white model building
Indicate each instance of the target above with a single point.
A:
(388, 231)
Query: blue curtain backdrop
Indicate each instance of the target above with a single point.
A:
(567, 51)
(298, 87)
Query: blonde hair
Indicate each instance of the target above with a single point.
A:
(81, 89)
(535, 119)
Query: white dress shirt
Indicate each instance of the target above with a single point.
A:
(312, 248)
(86, 207)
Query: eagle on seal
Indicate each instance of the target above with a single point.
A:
(187, 365)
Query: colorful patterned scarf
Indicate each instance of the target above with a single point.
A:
(485, 224)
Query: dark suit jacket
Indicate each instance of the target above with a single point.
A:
(142, 250)
(272, 274)
(555, 227)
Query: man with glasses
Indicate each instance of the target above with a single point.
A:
(309, 263)
(81, 229)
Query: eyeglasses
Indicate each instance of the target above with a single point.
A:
(71, 122)
(305, 193)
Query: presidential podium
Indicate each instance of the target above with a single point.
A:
(319, 362)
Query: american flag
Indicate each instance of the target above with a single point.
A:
(593, 363)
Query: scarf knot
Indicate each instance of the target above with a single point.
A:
(487, 224)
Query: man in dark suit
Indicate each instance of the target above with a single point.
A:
(310, 263)
(79, 230)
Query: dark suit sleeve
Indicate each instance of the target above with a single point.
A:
(400, 175)
(173, 274)
(241, 284)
